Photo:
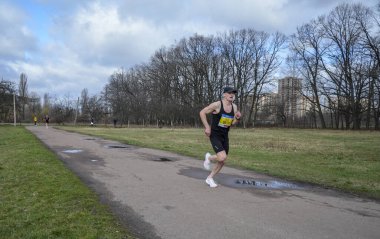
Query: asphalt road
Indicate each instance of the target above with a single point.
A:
(158, 194)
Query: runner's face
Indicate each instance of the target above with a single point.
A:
(229, 96)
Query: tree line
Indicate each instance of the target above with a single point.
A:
(337, 56)
(179, 81)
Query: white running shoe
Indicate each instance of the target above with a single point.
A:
(211, 183)
(206, 163)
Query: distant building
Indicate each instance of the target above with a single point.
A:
(287, 107)
(267, 100)
(303, 106)
(290, 97)
(266, 108)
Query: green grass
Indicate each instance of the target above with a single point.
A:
(40, 198)
(345, 160)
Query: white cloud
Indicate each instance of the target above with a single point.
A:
(60, 70)
(89, 40)
(15, 37)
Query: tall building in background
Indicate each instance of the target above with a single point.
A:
(290, 97)
(288, 107)
(266, 108)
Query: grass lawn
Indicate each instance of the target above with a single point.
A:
(345, 160)
(40, 198)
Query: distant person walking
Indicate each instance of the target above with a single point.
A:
(47, 121)
(35, 120)
(92, 121)
(224, 114)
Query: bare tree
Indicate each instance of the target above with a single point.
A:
(120, 95)
(238, 51)
(63, 109)
(95, 108)
(85, 112)
(46, 105)
(35, 104)
(163, 85)
(198, 71)
(267, 61)
(369, 23)
(253, 57)
(23, 92)
(307, 46)
(345, 54)
(7, 92)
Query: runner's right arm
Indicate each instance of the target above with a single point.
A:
(213, 107)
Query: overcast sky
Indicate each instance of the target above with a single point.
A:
(65, 46)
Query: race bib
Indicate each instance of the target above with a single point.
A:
(225, 121)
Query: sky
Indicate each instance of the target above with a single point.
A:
(64, 46)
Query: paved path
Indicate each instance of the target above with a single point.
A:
(157, 194)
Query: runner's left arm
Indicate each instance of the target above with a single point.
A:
(237, 115)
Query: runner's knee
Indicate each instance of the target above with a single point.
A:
(222, 158)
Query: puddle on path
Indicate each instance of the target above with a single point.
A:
(270, 184)
(234, 181)
(163, 159)
(117, 146)
(72, 151)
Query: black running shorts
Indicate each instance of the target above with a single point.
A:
(219, 143)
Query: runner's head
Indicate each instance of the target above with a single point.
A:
(229, 93)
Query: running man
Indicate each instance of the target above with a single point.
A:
(224, 114)
(47, 121)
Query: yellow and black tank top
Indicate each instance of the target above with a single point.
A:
(222, 121)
